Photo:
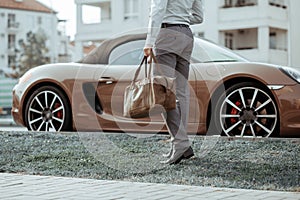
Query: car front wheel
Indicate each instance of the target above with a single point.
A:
(245, 109)
(48, 110)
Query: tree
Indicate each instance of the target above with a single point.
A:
(33, 52)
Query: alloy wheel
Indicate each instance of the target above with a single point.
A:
(46, 112)
(248, 111)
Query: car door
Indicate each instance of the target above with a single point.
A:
(123, 62)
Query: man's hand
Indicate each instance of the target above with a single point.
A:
(147, 51)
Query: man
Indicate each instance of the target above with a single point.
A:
(170, 37)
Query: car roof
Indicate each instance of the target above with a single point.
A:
(101, 54)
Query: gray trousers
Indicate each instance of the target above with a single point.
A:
(173, 50)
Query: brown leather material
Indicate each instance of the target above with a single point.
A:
(151, 94)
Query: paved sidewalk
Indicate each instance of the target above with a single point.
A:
(16, 186)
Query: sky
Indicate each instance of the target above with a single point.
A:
(66, 10)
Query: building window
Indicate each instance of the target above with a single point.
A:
(12, 61)
(229, 40)
(228, 3)
(240, 2)
(246, 3)
(40, 21)
(273, 42)
(11, 21)
(278, 39)
(278, 3)
(11, 41)
(131, 9)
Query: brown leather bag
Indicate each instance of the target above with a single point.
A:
(152, 94)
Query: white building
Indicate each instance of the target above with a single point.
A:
(17, 18)
(260, 30)
(98, 20)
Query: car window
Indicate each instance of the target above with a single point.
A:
(130, 53)
(206, 52)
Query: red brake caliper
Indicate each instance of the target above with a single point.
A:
(58, 114)
(234, 112)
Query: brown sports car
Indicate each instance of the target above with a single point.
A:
(229, 95)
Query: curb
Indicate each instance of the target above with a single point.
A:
(7, 122)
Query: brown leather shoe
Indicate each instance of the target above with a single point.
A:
(188, 153)
(178, 155)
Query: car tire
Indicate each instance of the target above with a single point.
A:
(244, 109)
(48, 109)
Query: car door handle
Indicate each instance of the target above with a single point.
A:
(107, 80)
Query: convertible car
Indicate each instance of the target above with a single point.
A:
(229, 95)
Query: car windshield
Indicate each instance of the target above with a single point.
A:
(207, 52)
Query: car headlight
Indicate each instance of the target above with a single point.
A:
(292, 72)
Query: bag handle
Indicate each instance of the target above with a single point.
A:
(153, 58)
(144, 62)
(137, 72)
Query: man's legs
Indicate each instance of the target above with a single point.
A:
(173, 66)
(173, 50)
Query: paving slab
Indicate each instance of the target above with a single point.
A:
(20, 187)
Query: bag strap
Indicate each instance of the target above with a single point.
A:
(137, 72)
(153, 58)
(145, 62)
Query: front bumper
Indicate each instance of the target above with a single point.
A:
(16, 110)
(288, 101)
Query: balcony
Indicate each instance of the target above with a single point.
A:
(235, 13)
(91, 31)
(278, 57)
(11, 51)
(245, 3)
(13, 26)
(239, 3)
(108, 19)
(253, 13)
(240, 39)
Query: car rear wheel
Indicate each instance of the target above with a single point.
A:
(245, 109)
(48, 110)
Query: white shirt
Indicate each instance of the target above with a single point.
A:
(187, 12)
